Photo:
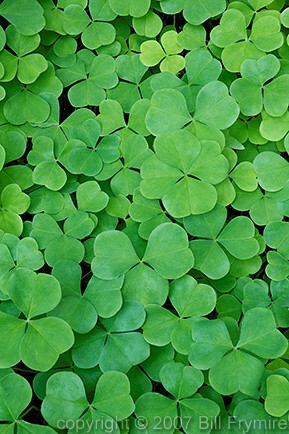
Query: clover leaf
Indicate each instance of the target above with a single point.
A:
(277, 165)
(223, 109)
(273, 95)
(228, 363)
(30, 21)
(130, 7)
(53, 334)
(90, 87)
(66, 398)
(105, 295)
(114, 333)
(152, 52)
(80, 154)
(148, 212)
(144, 205)
(124, 172)
(115, 255)
(74, 308)
(277, 268)
(162, 326)
(24, 254)
(210, 257)
(231, 35)
(61, 245)
(90, 198)
(276, 402)
(152, 405)
(13, 203)
(47, 170)
(145, 285)
(12, 407)
(35, 109)
(171, 177)
(275, 236)
(198, 12)
(168, 112)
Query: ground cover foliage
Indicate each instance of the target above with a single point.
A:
(144, 204)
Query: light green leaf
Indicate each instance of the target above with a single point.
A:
(168, 251)
(168, 112)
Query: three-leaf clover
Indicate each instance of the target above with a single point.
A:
(166, 52)
(231, 34)
(236, 366)
(66, 400)
(47, 171)
(237, 237)
(184, 408)
(190, 300)
(38, 342)
(115, 344)
(61, 245)
(183, 173)
(12, 405)
(252, 93)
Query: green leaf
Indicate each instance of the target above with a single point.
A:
(53, 335)
(168, 251)
(210, 258)
(78, 312)
(198, 12)
(179, 380)
(26, 16)
(149, 25)
(272, 171)
(271, 39)
(130, 7)
(232, 28)
(266, 341)
(75, 19)
(90, 197)
(236, 371)
(245, 176)
(26, 290)
(151, 407)
(78, 225)
(14, 200)
(190, 298)
(105, 295)
(214, 106)
(65, 398)
(276, 402)
(275, 235)
(151, 53)
(34, 109)
(12, 404)
(274, 128)
(30, 67)
(159, 325)
(97, 35)
(50, 174)
(193, 410)
(114, 255)
(211, 341)
(12, 332)
(244, 245)
(168, 112)
(202, 68)
(112, 395)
